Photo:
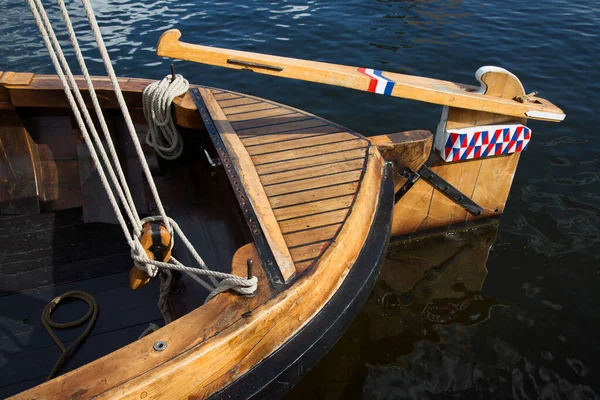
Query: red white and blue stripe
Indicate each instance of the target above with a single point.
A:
(379, 83)
(484, 141)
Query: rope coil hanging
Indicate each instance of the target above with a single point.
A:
(157, 99)
(169, 142)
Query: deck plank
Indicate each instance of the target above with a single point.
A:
(240, 101)
(313, 208)
(301, 133)
(315, 160)
(314, 195)
(260, 115)
(324, 150)
(268, 122)
(304, 123)
(313, 221)
(313, 183)
(311, 172)
(309, 251)
(247, 108)
(313, 235)
(299, 143)
(219, 95)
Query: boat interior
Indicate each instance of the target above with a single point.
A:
(60, 233)
(74, 243)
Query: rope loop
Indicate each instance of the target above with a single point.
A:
(49, 324)
(157, 99)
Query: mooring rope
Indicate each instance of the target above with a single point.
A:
(241, 285)
(49, 324)
(157, 99)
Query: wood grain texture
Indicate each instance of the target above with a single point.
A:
(329, 192)
(251, 182)
(314, 235)
(312, 160)
(313, 221)
(303, 123)
(273, 121)
(312, 172)
(298, 142)
(248, 108)
(308, 184)
(313, 208)
(406, 86)
(325, 149)
(61, 188)
(408, 149)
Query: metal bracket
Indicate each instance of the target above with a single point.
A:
(440, 184)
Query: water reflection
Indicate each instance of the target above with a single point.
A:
(429, 330)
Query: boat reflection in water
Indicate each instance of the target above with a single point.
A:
(411, 337)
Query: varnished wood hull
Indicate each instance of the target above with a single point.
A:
(215, 349)
(336, 222)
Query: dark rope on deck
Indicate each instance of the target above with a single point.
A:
(49, 324)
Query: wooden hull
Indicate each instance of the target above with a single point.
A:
(220, 348)
(327, 212)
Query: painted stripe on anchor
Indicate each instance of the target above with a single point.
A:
(379, 83)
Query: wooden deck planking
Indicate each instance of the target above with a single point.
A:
(299, 143)
(261, 114)
(313, 183)
(304, 123)
(317, 159)
(311, 172)
(247, 108)
(313, 221)
(226, 95)
(301, 133)
(240, 101)
(313, 195)
(241, 126)
(313, 208)
(310, 236)
(310, 169)
(326, 149)
(309, 251)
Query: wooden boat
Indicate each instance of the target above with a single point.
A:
(303, 204)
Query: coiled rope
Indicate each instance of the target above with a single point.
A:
(111, 164)
(49, 324)
(157, 99)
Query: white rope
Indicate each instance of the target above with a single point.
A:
(228, 281)
(162, 132)
(124, 110)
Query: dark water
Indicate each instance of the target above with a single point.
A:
(525, 324)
